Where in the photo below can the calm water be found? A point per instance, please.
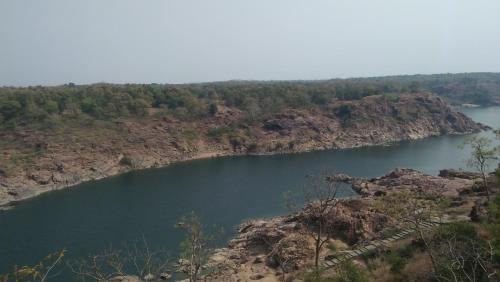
(224, 191)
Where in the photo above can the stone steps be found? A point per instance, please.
(377, 244)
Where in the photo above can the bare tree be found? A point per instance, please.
(462, 255)
(133, 259)
(195, 247)
(481, 156)
(288, 252)
(42, 271)
(321, 200)
(412, 209)
(456, 251)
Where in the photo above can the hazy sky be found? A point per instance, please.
(174, 41)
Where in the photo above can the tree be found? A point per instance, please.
(195, 247)
(134, 258)
(212, 109)
(51, 107)
(414, 87)
(413, 209)
(344, 111)
(321, 200)
(9, 108)
(461, 254)
(88, 105)
(481, 156)
(287, 252)
(41, 272)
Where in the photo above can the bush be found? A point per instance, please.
(51, 107)
(494, 226)
(218, 132)
(458, 249)
(392, 97)
(396, 262)
(320, 98)
(312, 275)
(127, 161)
(389, 232)
(88, 106)
(344, 111)
(348, 272)
(9, 108)
(370, 254)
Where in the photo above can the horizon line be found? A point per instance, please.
(246, 80)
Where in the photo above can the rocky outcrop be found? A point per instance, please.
(37, 162)
(413, 180)
(453, 173)
(269, 247)
(373, 120)
(354, 222)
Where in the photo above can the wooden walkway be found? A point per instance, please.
(374, 245)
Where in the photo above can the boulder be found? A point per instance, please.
(125, 278)
(340, 177)
(256, 276)
(452, 173)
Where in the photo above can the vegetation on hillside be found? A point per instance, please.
(462, 251)
(48, 107)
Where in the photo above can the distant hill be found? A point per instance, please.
(44, 107)
(103, 138)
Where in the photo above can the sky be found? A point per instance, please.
(53, 42)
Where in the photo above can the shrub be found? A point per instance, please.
(212, 109)
(331, 247)
(9, 108)
(348, 272)
(458, 249)
(218, 132)
(396, 262)
(127, 161)
(319, 98)
(389, 232)
(391, 97)
(51, 107)
(344, 111)
(494, 226)
(88, 106)
(370, 254)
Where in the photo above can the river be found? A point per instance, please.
(224, 191)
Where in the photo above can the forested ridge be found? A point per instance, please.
(47, 107)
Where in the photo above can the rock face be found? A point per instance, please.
(452, 173)
(78, 155)
(452, 185)
(369, 121)
(257, 249)
(284, 244)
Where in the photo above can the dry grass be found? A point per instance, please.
(418, 268)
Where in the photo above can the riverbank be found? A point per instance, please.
(282, 248)
(73, 156)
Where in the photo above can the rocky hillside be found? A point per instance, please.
(267, 249)
(34, 161)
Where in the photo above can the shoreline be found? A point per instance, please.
(154, 142)
(253, 249)
(6, 204)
